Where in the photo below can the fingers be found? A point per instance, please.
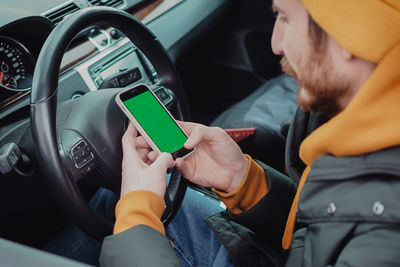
(152, 155)
(143, 153)
(130, 135)
(141, 142)
(198, 132)
(202, 133)
(188, 126)
(144, 149)
(128, 140)
(184, 167)
(129, 146)
(131, 130)
(164, 161)
(195, 137)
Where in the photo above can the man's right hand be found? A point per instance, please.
(217, 160)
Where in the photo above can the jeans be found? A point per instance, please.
(75, 244)
(194, 242)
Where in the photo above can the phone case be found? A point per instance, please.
(136, 123)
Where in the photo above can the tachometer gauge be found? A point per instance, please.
(16, 65)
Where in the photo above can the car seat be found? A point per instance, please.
(269, 110)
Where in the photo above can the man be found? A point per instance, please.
(345, 56)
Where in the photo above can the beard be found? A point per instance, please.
(320, 90)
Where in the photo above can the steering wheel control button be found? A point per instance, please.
(81, 144)
(82, 154)
(88, 169)
(9, 156)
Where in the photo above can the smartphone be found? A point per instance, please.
(153, 120)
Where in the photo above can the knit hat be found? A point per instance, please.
(367, 28)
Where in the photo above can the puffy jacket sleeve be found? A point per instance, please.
(138, 246)
(253, 236)
(268, 217)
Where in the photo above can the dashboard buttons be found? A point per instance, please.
(164, 96)
(129, 76)
(115, 34)
(121, 79)
(81, 144)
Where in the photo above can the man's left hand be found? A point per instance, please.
(139, 173)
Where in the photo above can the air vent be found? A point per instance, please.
(112, 3)
(59, 13)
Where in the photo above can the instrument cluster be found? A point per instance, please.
(17, 65)
(16, 69)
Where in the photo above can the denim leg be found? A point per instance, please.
(194, 241)
(75, 244)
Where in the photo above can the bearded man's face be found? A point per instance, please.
(309, 58)
(320, 90)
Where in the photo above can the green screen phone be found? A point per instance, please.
(153, 120)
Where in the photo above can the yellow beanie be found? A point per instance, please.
(367, 28)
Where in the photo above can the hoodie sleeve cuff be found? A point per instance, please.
(139, 207)
(253, 188)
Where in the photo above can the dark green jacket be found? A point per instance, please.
(348, 215)
(350, 212)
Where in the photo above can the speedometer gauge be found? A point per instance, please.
(16, 65)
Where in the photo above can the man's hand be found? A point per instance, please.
(217, 160)
(138, 171)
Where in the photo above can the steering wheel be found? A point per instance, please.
(81, 138)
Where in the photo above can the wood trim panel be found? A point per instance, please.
(13, 98)
(142, 11)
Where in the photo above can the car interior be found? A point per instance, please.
(63, 62)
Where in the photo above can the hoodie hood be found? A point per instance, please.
(369, 123)
(367, 28)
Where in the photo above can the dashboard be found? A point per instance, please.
(99, 57)
(95, 55)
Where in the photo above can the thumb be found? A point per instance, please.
(164, 161)
(188, 126)
(185, 167)
(196, 136)
(202, 133)
(129, 138)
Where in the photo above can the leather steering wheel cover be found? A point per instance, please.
(61, 36)
(44, 103)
